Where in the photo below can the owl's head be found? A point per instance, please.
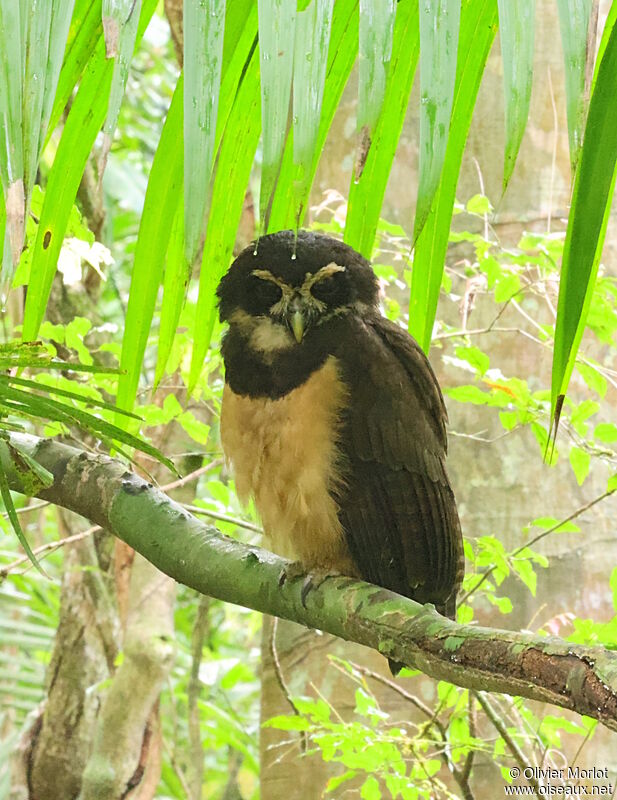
(280, 289)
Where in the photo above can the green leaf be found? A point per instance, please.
(85, 31)
(160, 204)
(64, 11)
(338, 780)
(177, 276)
(120, 19)
(550, 522)
(5, 493)
(516, 32)
(593, 190)
(285, 723)
(370, 176)
(370, 789)
(80, 130)
(203, 57)
(580, 460)
(478, 26)
(606, 432)
(574, 18)
(234, 164)
(474, 356)
(439, 32)
(313, 27)
(36, 52)
(468, 394)
(277, 21)
(341, 56)
(524, 569)
(374, 52)
(593, 378)
(479, 204)
(12, 45)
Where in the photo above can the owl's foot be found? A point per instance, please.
(291, 571)
(296, 569)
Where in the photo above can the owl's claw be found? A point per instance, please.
(311, 581)
(314, 581)
(291, 571)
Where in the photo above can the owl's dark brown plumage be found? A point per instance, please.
(333, 420)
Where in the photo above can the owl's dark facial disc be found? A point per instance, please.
(295, 285)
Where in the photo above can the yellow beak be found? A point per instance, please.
(297, 325)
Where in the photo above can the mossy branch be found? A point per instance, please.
(583, 679)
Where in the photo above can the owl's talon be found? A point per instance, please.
(291, 571)
(306, 588)
(314, 581)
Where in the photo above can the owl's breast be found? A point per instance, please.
(284, 453)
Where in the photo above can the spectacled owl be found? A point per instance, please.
(333, 420)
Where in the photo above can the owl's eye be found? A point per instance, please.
(329, 290)
(265, 292)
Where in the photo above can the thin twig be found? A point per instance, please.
(192, 475)
(198, 638)
(280, 679)
(502, 730)
(25, 509)
(204, 512)
(537, 538)
(47, 549)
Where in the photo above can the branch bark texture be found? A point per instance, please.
(583, 679)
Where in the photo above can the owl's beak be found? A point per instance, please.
(296, 323)
(296, 318)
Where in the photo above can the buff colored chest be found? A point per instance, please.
(284, 454)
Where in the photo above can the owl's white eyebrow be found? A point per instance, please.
(266, 275)
(321, 274)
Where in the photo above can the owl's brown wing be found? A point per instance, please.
(396, 507)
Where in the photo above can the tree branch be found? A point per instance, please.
(583, 679)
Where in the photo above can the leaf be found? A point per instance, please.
(234, 164)
(479, 204)
(5, 493)
(84, 33)
(203, 59)
(338, 780)
(160, 204)
(374, 51)
(313, 26)
(606, 432)
(593, 377)
(439, 32)
(120, 19)
(288, 723)
(12, 43)
(177, 276)
(516, 32)
(591, 200)
(370, 789)
(80, 130)
(474, 356)
(277, 20)
(580, 460)
(341, 56)
(574, 16)
(478, 26)
(368, 184)
(524, 569)
(35, 67)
